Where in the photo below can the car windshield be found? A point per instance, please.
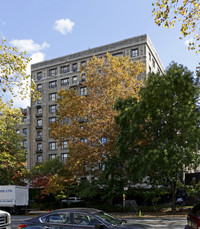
(108, 218)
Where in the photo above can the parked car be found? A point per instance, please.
(76, 218)
(180, 201)
(5, 220)
(71, 200)
(193, 218)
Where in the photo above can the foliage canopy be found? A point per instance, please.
(87, 122)
(159, 134)
(13, 75)
(12, 156)
(186, 13)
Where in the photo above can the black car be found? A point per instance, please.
(74, 218)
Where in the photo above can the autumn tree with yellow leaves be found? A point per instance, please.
(13, 73)
(87, 122)
(186, 13)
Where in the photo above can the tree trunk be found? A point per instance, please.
(174, 189)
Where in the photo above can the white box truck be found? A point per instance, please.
(14, 198)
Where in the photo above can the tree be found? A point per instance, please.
(87, 122)
(112, 179)
(12, 156)
(186, 13)
(41, 174)
(159, 134)
(13, 75)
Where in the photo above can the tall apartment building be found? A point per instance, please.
(64, 72)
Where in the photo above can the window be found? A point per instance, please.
(53, 72)
(52, 96)
(65, 69)
(39, 101)
(83, 90)
(75, 67)
(25, 143)
(52, 109)
(103, 140)
(25, 131)
(52, 156)
(64, 157)
(154, 64)
(149, 56)
(65, 121)
(118, 54)
(25, 120)
(39, 158)
(102, 166)
(84, 140)
(84, 219)
(39, 87)
(39, 134)
(64, 145)
(83, 63)
(52, 145)
(65, 82)
(39, 75)
(74, 80)
(57, 218)
(52, 84)
(39, 146)
(149, 69)
(52, 120)
(135, 52)
(39, 122)
(39, 110)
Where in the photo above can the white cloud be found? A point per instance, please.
(187, 42)
(28, 45)
(17, 101)
(35, 58)
(64, 26)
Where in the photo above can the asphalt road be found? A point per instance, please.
(160, 222)
(147, 222)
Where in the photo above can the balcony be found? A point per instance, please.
(38, 115)
(38, 139)
(38, 151)
(74, 84)
(38, 127)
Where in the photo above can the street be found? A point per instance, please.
(160, 222)
(153, 222)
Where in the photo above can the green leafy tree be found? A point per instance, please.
(193, 190)
(13, 74)
(12, 153)
(112, 179)
(160, 136)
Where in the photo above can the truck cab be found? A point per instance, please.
(5, 220)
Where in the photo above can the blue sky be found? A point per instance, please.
(51, 28)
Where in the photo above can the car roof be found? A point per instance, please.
(89, 210)
(83, 210)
